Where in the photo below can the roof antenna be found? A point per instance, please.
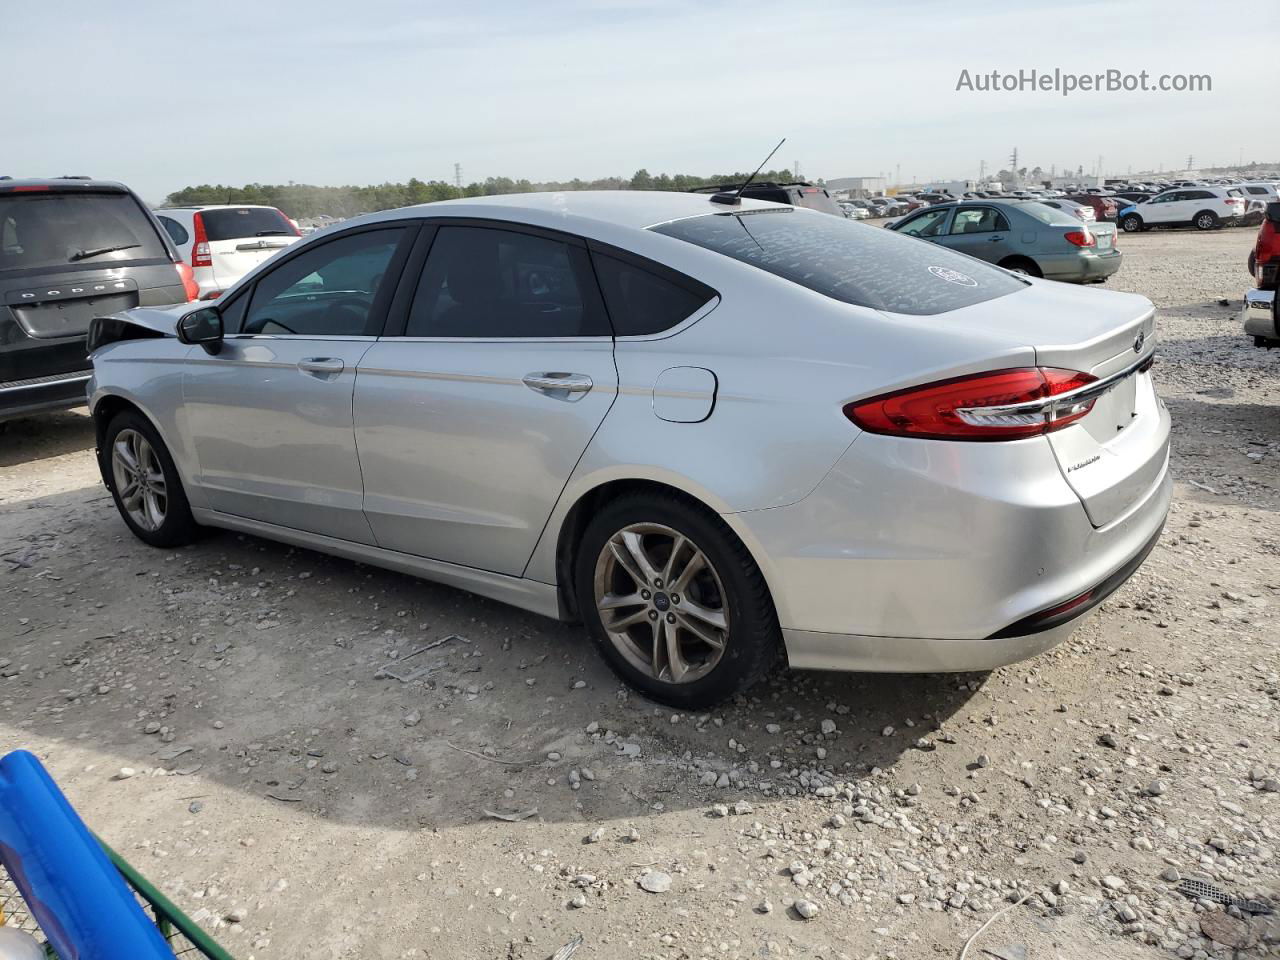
(733, 199)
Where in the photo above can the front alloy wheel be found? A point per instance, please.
(139, 480)
(662, 603)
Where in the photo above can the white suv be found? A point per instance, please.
(223, 243)
(1205, 208)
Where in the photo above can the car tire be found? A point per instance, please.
(1131, 224)
(1022, 265)
(144, 483)
(1207, 220)
(623, 554)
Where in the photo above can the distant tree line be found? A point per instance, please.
(305, 200)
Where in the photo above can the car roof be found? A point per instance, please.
(220, 206)
(637, 209)
(63, 183)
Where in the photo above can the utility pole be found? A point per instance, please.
(1013, 162)
(457, 175)
(1190, 161)
(796, 171)
(982, 170)
(897, 174)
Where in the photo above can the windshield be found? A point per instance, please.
(847, 261)
(92, 229)
(1050, 215)
(237, 223)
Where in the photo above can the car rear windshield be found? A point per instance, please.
(40, 229)
(1050, 215)
(815, 198)
(847, 261)
(236, 223)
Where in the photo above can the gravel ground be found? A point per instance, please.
(217, 713)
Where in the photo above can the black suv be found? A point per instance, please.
(798, 194)
(72, 249)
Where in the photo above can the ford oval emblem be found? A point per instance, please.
(1138, 341)
(953, 276)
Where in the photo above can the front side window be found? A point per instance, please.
(981, 220)
(640, 302)
(327, 291)
(495, 283)
(928, 224)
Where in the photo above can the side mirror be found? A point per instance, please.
(203, 327)
(1273, 211)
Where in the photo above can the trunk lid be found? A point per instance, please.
(1113, 456)
(240, 238)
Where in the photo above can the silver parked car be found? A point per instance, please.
(716, 433)
(1025, 236)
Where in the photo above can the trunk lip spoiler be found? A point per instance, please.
(1052, 405)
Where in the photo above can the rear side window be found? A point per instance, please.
(814, 198)
(177, 232)
(847, 261)
(1048, 215)
(89, 229)
(640, 302)
(236, 223)
(502, 284)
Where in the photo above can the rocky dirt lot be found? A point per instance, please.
(217, 713)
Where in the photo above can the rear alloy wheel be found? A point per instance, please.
(674, 601)
(1131, 224)
(144, 483)
(1207, 220)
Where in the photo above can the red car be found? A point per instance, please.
(1105, 206)
(1260, 317)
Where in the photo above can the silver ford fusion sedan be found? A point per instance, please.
(716, 433)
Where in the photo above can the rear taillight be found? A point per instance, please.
(188, 278)
(200, 254)
(1081, 238)
(1003, 405)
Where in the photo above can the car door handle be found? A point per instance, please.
(561, 386)
(994, 239)
(321, 366)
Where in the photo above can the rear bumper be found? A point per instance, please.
(920, 556)
(43, 394)
(1259, 314)
(1080, 267)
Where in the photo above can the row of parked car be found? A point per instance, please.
(72, 249)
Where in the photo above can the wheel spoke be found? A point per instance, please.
(125, 455)
(713, 617)
(613, 601)
(701, 632)
(129, 490)
(659, 655)
(627, 562)
(669, 568)
(626, 620)
(675, 658)
(635, 546)
(133, 500)
(695, 565)
(154, 512)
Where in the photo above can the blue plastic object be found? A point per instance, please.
(83, 906)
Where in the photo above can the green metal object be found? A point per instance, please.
(183, 934)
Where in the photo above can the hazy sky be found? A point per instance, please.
(164, 94)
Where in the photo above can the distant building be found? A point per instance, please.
(857, 186)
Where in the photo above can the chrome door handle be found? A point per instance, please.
(994, 239)
(321, 365)
(562, 386)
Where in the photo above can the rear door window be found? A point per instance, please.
(848, 261)
(86, 229)
(237, 223)
(503, 284)
(978, 220)
(641, 301)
